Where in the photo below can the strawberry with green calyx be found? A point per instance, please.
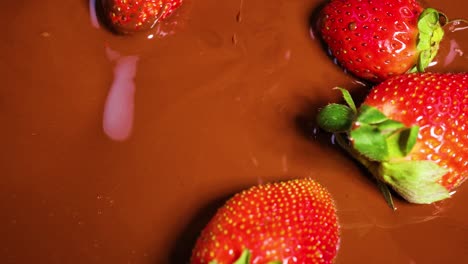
(409, 133)
(272, 224)
(375, 40)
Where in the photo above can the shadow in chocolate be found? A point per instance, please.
(305, 120)
(98, 6)
(306, 126)
(100, 16)
(185, 241)
(314, 23)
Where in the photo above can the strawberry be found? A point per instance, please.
(128, 16)
(375, 40)
(287, 222)
(410, 132)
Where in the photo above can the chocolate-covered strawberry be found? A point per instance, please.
(128, 16)
(287, 222)
(410, 132)
(376, 40)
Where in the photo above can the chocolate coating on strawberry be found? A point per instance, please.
(130, 16)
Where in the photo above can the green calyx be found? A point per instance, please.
(382, 145)
(429, 38)
(337, 117)
(245, 259)
(415, 181)
(374, 136)
(381, 139)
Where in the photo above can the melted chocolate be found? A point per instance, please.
(225, 98)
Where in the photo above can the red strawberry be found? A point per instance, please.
(410, 132)
(287, 222)
(376, 40)
(128, 16)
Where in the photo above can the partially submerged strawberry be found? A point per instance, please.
(128, 16)
(287, 222)
(410, 132)
(376, 40)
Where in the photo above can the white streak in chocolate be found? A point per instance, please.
(93, 13)
(453, 53)
(312, 33)
(112, 55)
(119, 107)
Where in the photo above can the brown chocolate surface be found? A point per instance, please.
(225, 99)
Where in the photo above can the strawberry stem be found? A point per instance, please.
(373, 168)
(382, 145)
(338, 119)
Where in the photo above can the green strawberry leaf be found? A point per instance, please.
(402, 142)
(243, 259)
(370, 115)
(423, 61)
(408, 139)
(428, 20)
(335, 118)
(370, 142)
(389, 127)
(386, 193)
(394, 138)
(430, 35)
(415, 181)
(396, 144)
(348, 99)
